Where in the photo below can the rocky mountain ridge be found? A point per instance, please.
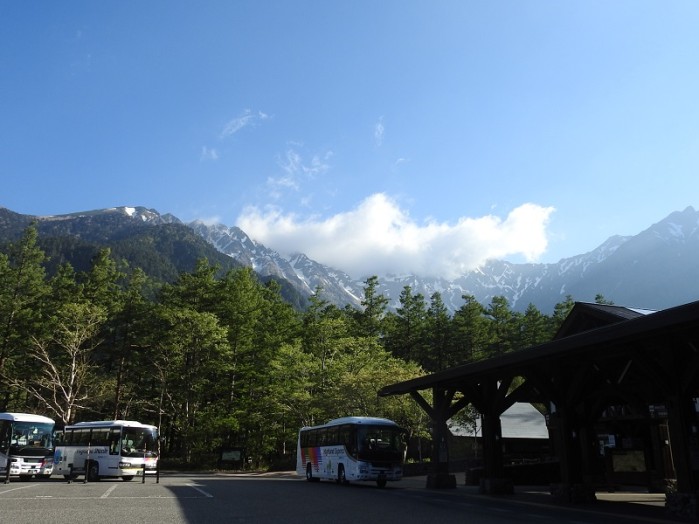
(654, 269)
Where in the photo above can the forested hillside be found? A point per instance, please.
(219, 358)
(160, 245)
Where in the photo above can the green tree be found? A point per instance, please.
(241, 306)
(67, 376)
(502, 326)
(290, 400)
(188, 353)
(190, 349)
(374, 304)
(102, 286)
(102, 283)
(438, 340)
(195, 290)
(560, 311)
(360, 371)
(128, 356)
(407, 329)
(23, 290)
(533, 328)
(470, 331)
(323, 326)
(277, 326)
(600, 299)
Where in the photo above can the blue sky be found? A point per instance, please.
(374, 136)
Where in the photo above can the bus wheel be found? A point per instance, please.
(341, 477)
(93, 472)
(127, 478)
(381, 482)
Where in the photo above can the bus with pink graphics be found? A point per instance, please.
(352, 449)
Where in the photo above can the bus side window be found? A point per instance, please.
(312, 438)
(84, 436)
(332, 437)
(100, 437)
(5, 431)
(114, 442)
(347, 438)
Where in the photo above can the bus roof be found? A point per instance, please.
(26, 417)
(365, 421)
(110, 424)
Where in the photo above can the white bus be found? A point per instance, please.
(26, 442)
(108, 448)
(352, 448)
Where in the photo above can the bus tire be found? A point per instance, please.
(93, 471)
(341, 477)
(309, 474)
(127, 478)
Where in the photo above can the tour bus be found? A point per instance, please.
(352, 448)
(107, 448)
(26, 442)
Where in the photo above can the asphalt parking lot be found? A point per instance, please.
(284, 497)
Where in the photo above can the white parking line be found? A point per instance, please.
(107, 493)
(207, 495)
(21, 487)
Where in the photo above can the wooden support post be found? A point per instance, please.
(440, 412)
(682, 424)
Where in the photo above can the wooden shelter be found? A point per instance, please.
(603, 357)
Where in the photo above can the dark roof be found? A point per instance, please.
(585, 316)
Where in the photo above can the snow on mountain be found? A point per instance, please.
(544, 285)
(654, 269)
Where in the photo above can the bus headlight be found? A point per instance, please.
(125, 465)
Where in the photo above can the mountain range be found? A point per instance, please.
(654, 269)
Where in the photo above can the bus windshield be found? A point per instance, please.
(31, 435)
(380, 439)
(137, 442)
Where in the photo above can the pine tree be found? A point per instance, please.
(502, 324)
(438, 341)
(23, 290)
(370, 319)
(470, 334)
(407, 329)
(533, 328)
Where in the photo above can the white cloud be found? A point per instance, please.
(297, 170)
(210, 220)
(247, 118)
(399, 163)
(208, 153)
(380, 238)
(379, 131)
(294, 164)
